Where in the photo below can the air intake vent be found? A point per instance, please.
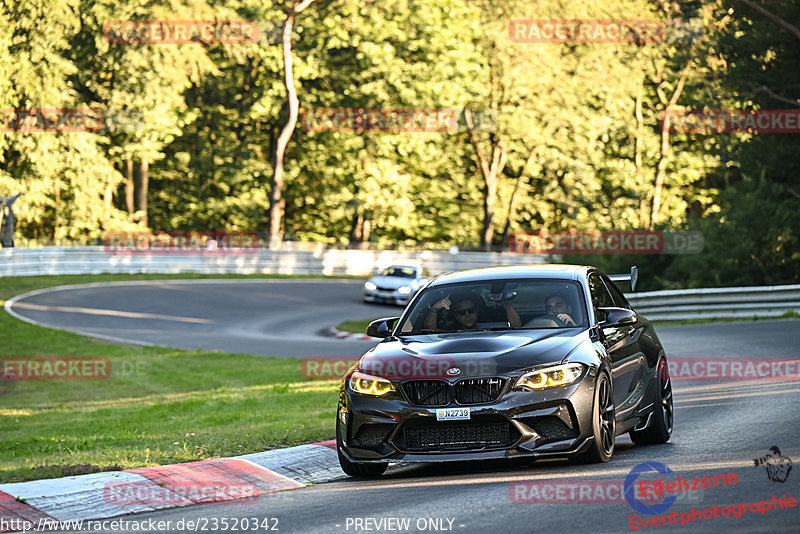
(457, 436)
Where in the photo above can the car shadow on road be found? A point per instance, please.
(520, 466)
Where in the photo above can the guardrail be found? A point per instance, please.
(722, 302)
(730, 302)
(96, 260)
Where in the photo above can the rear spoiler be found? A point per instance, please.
(632, 278)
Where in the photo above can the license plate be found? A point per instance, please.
(452, 414)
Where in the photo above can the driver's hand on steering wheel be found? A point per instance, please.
(566, 319)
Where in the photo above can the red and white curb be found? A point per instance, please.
(109, 494)
(350, 336)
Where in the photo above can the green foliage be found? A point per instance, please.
(206, 119)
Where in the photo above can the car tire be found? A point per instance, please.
(661, 428)
(356, 469)
(603, 424)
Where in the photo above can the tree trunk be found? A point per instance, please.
(276, 201)
(356, 228)
(637, 159)
(108, 204)
(661, 167)
(360, 230)
(512, 203)
(491, 175)
(144, 183)
(661, 171)
(129, 187)
(57, 206)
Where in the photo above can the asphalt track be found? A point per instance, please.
(269, 317)
(720, 427)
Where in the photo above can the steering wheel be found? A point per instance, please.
(556, 320)
(544, 321)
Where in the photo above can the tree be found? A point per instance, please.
(276, 204)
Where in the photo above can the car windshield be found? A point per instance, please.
(401, 272)
(496, 305)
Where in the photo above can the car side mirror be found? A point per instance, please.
(611, 316)
(381, 327)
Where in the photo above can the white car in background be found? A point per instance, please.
(395, 284)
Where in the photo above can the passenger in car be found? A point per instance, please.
(466, 312)
(557, 306)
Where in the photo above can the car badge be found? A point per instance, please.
(453, 371)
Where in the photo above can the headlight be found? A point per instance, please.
(550, 377)
(369, 286)
(369, 385)
(404, 290)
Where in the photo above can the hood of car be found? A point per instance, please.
(465, 354)
(392, 282)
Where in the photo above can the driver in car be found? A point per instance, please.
(556, 305)
(466, 310)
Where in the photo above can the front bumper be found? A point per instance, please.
(555, 422)
(391, 297)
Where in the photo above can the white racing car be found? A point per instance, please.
(395, 284)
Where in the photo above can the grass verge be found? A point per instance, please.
(159, 406)
(356, 327)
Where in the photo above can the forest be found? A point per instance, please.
(408, 124)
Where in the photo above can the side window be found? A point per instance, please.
(616, 294)
(600, 295)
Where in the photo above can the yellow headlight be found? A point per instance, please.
(549, 377)
(369, 385)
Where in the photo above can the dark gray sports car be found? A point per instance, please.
(506, 362)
